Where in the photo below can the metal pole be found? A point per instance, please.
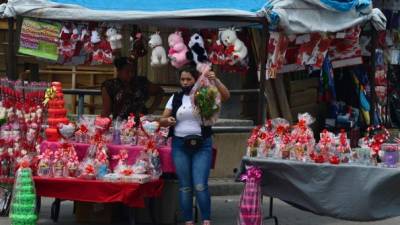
(372, 72)
(11, 55)
(262, 113)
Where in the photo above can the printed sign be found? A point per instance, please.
(39, 39)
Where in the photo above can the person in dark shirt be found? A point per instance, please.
(127, 94)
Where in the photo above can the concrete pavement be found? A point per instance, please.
(224, 213)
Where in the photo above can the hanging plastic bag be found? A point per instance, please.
(250, 210)
(206, 98)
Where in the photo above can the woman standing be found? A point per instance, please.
(191, 145)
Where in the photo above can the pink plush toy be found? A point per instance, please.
(177, 50)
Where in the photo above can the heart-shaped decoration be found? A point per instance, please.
(102, 123)
(150, 128)
(66, 130)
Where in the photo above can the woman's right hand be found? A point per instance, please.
(170, 121)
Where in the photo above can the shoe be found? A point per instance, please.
(206, 222)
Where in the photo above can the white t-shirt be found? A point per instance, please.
(187, 121)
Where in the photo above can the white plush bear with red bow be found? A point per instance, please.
(114, 38)
(238, 49)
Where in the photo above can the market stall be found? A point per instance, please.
(134, 150)
(284, 17)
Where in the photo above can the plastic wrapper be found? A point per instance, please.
(343, 147)
(250, 206)
(58, 164)
(206, 99)
(142, 164)
(86, 129)
(326, 150)
(303, 137)
(102, 162)
(87, 169)
(44, 165)
(23, 205)
(390, 155)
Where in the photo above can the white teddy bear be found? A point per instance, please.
(158, 54)
(229, 38)
(114, 38)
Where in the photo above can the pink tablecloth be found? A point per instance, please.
(133, 152)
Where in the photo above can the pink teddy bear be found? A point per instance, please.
(177, 50)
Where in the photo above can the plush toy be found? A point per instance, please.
(138, 47)
(217, 52)
(177, 50)
(239, 50)
(68, 38)
(114, 38)
(158, 54)
(198, 53)
(102, 53)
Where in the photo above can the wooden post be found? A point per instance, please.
(262, 113)
(11, 54)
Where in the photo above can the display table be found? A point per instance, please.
(130, 194)
(167, 163)
(345, 191)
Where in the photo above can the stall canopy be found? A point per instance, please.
(294, 16)
(307, 16)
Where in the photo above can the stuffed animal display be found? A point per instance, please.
(177, 50)
(158, 54)
(198, 53)
(114, 38)
(68, 38)
(238, 50)
(138, 46)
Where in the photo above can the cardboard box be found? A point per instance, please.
(98, 213)
(301, 98)
(301, 85)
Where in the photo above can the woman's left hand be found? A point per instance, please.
(211, 76)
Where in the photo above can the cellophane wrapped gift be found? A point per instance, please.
(122, 169)
(206, 99)
(58, 163)
(283, 141)
(250, 206)
(44, 166)
(101, 161)
(343, 147)
(87, 168)
(303, 138)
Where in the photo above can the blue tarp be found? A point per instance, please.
(166, 5)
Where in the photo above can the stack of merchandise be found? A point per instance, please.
(56, 112)
(23, 205)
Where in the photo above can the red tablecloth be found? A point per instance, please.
(133, 152)
(130, 194)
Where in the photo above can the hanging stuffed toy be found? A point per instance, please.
(68, 39)
(236, 50)
(102, 53)
(198, 52)
(177, 50)
(114, 38)
(217, 51)
(158, 54)
(138, 46)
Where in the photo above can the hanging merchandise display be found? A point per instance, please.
(236, 51)
(277, 46)
(178, 51)
(327, 83)
(158, 54)
(313, 51)
(381, 86)
(39, 38)
(138, 48)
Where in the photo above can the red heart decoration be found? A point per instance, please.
(103, 123)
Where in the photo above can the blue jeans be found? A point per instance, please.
(193, 169)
